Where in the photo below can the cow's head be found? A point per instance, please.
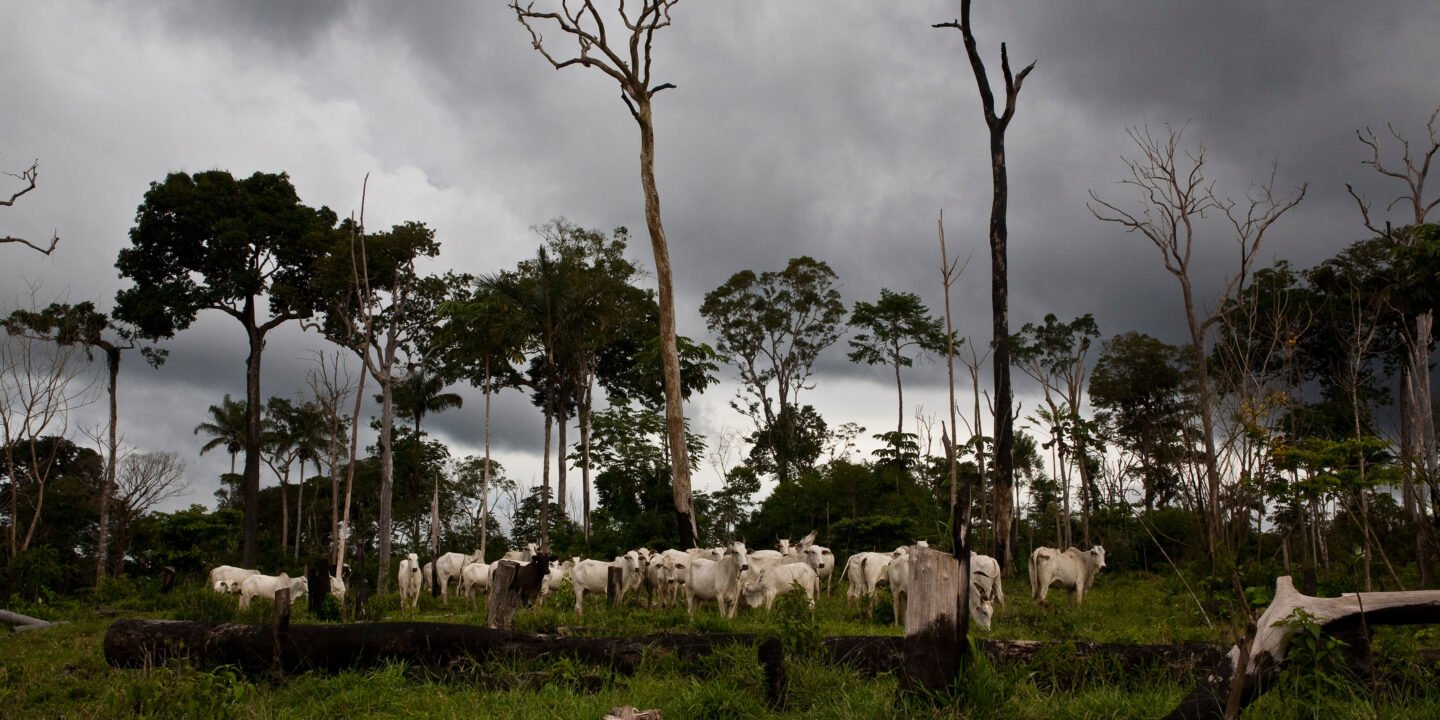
(818, 557)
(542, 562)
(981, 611)
(737, 549)
(414, 562)
(1098, 552)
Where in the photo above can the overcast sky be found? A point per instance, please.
(833, 129)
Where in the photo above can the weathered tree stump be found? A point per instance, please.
(932, 662)
(504, 598)
(614, 585)
(1272, 639)
(317, 575)
(282, 631)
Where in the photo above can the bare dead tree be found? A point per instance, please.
(1417, 421)
(331, 382)
(627, 62)
(143, 481)
(40, 383)
(1004, 469)
(27, 178)
(1175, 194)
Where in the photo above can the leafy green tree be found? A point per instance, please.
(226, 428)
(896, 330)
(772, 327)
(247, 248)
(1141, 389)
(1053, 354)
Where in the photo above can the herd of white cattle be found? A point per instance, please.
(726, 576)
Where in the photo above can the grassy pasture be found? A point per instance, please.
(60, 671)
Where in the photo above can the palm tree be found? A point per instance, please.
(226, 427)
(308, 435)
(421, 393)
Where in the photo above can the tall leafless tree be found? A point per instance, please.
(629, 65)
(1417, 421)
(143, 481)
(40, 383)
(1174, 197)
(1004, 467)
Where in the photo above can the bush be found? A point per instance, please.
(793, 623)
(201, 605)
(36, 574)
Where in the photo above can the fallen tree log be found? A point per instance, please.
(1272, 639)
(258, 648)
(21, 623)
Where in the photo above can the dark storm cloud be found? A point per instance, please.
(836, 130)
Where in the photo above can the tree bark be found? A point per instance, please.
(250, 542)
(102, 542)
(1272, 638)
(933, 620)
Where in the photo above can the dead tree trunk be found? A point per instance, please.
(504, 597)
(931, 622)
(262, 649)
(1272, 639)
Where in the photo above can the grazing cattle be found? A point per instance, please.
(529, 578)
(668, 575)
(409, 579)
(866, 571)
(557, 575)
(761, 588)
(265, 586)
(985, 574)
(475, 578)
(523, 555)
(1072, 569)
(822, 561)
(717, 580)
(450, 566)
(632, 573)
(590, 576)
(227, 579)
(900, 572)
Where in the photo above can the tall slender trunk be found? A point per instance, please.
(250, 542)
(669, 352)
(1004, 474)
(585, 411)
(299, 507)
(387, 476)
(345, 529)
(1206, 397)
(285, 510)
(562, 493)
(485, 471)
(545, 481)
(102, 543)
(900, 409)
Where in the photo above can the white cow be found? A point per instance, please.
(475, 578)
(900, 572)
(769, 583)
(523, 555)
(450, 566)
(822, 561)
(593, 576)
(717, 580)
(866, 570)
(1072, 569)
(227, 578)
(409, 577)
(559, 572)
(985, 574)
(265, 586)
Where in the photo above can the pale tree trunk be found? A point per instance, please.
(387, 475)
(545, 479)
(485, 471)
(585, 411)
(102, 542)
(669, 352)
(562, 493)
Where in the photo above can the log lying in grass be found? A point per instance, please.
(22, 623)
(1272, 639)
(253, 648)
(258, 648)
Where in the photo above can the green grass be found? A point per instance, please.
(60, 671)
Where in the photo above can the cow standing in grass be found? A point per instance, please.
(1072, 569)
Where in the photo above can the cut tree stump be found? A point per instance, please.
(931, 657)
(504, 598)
(614, 585)
(1272, 639)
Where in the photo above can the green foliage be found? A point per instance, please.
(201, 604)
(35, 574)
(180, 691)
(1314, 671)
(793, 622)
(720, 701)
